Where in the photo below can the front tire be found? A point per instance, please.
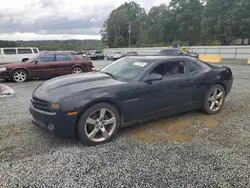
(98, 124)
(19, 76)
(214, 100)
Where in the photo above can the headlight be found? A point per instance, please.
(55, 106)
(3, 69)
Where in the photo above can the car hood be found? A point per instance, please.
(78, 83)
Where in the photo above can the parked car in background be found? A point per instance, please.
(85, 55)
(46, 65)
(96, 55)
(115, 55)
(133, 53)
(110, 56)
(177, 52)
(78, 53)
(93, 106)
(118, 55)
(15, 55)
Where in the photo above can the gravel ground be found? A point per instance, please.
(186, 150)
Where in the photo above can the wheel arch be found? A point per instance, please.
(28, 73)
(108, 101)
(223, 85)
(25, 58)
(77, 65)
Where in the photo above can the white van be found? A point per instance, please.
(17, 55)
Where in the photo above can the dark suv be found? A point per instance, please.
(177, 52)
(96, 55)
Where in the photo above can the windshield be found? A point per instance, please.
(126, 69)
(35, 57)
(183, 52)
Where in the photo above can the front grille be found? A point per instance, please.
(41, 105)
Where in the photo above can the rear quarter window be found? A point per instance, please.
(63, 57)
(193, 67)
(76, 58)
(9, 51)
(35, 50)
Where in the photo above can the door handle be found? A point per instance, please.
(189, 81)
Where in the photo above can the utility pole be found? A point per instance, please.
(129, 33)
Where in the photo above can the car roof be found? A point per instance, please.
(170, 49)
(17, 47)
(57, 52)
(159, 57)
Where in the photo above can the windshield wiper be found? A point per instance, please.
(108, 73)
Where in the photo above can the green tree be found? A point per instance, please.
(115, 30)
(7, 43)
(61, 44)
(241, 16)
(159, 25)
(225, 20)
(187, 16)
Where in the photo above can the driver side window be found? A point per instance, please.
(46, 58)
(170, 69)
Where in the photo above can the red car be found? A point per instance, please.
(46, 65)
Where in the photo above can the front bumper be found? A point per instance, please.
(4, 75)
(64, 125)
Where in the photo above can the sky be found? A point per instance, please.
(58, 19)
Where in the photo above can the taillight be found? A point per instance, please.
(94, 69)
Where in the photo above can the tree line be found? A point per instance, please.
(51, 45)
(191, 22)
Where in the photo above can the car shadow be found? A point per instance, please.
(154, 122)
(159, 124)
(182, 127)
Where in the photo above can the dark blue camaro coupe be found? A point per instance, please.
(93, 106)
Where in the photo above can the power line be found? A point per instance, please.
(129, 32)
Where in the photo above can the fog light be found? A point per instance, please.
(51, 127)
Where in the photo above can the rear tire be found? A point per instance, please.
(214, 100)
(98, 124)
(19, 76)
(77, 70)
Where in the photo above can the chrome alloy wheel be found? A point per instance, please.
(77, 71)
(100, 125)
(216, 99)
(19, 76)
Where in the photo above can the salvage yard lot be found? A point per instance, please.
(186, 150)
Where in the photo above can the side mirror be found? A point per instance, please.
(153, 77)
(36, 61)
